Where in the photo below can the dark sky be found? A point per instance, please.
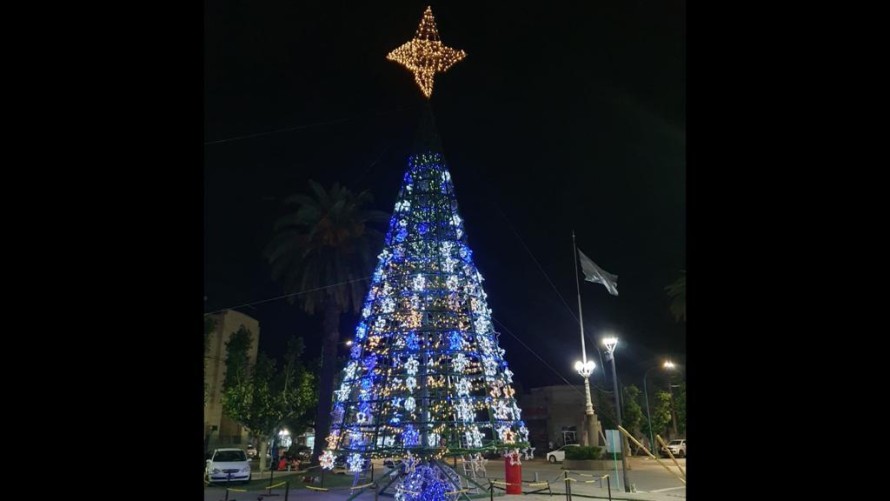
(568, 115)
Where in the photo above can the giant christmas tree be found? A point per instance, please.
(426, 377)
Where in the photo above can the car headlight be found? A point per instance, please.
(216, 470)
(246, 468)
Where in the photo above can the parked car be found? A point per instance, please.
(301, 452)
(228, 465)
(559, 454)
(677, 448)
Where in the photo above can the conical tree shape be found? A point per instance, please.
(426, 374)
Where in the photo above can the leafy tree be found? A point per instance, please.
(209, 325)
(325, 250)
(660, 411)
(631, 413)
(261, 397)
(605, 409)
(298, 422)
(677, 292)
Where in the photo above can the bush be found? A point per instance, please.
(582, 452)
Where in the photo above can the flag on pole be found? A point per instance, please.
(595, 274)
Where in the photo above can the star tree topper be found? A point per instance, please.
(425, 55)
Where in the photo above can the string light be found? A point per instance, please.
(425, 55)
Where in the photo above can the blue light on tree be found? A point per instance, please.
(426, 372)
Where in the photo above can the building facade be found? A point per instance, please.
(219, 430)
(555, 414)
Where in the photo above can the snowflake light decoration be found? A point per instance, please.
(463, 387)
(355, 462)
(460, 362)
(327, 460)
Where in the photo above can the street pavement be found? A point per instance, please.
(650, 481)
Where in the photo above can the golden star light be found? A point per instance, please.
(425, 55)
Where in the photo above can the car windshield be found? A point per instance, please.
(227, 456)
(677, 442)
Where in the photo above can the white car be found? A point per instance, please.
(228, 465)
(559, 454)
(677, 448)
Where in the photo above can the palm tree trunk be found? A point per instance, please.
(331, 326)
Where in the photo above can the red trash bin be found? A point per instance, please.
(513, 475)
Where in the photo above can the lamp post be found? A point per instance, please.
(610, 343)
(585, 369)
(667, 365)
(584, 364)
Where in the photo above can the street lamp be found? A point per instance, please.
(585, 369)
(667, 365)
(610, 343)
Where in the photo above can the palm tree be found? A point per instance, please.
(677, 292)
(325, 250)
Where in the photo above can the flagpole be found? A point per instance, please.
(588, 410)
(580, 314)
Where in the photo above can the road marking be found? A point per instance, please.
(669, 489)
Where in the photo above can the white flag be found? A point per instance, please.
(595, 274)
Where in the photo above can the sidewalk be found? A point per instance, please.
(582, 493)
(579, 491)
(584, 486)
(218, 494)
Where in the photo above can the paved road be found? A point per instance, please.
(650, 480)
(645, 474)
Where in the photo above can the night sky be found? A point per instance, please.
(568, 115)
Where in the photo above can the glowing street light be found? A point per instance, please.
(585, 369)
(610, 343)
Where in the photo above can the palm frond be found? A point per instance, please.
(325, 244)
(677, 292)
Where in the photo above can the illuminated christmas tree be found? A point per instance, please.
(426, 377)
